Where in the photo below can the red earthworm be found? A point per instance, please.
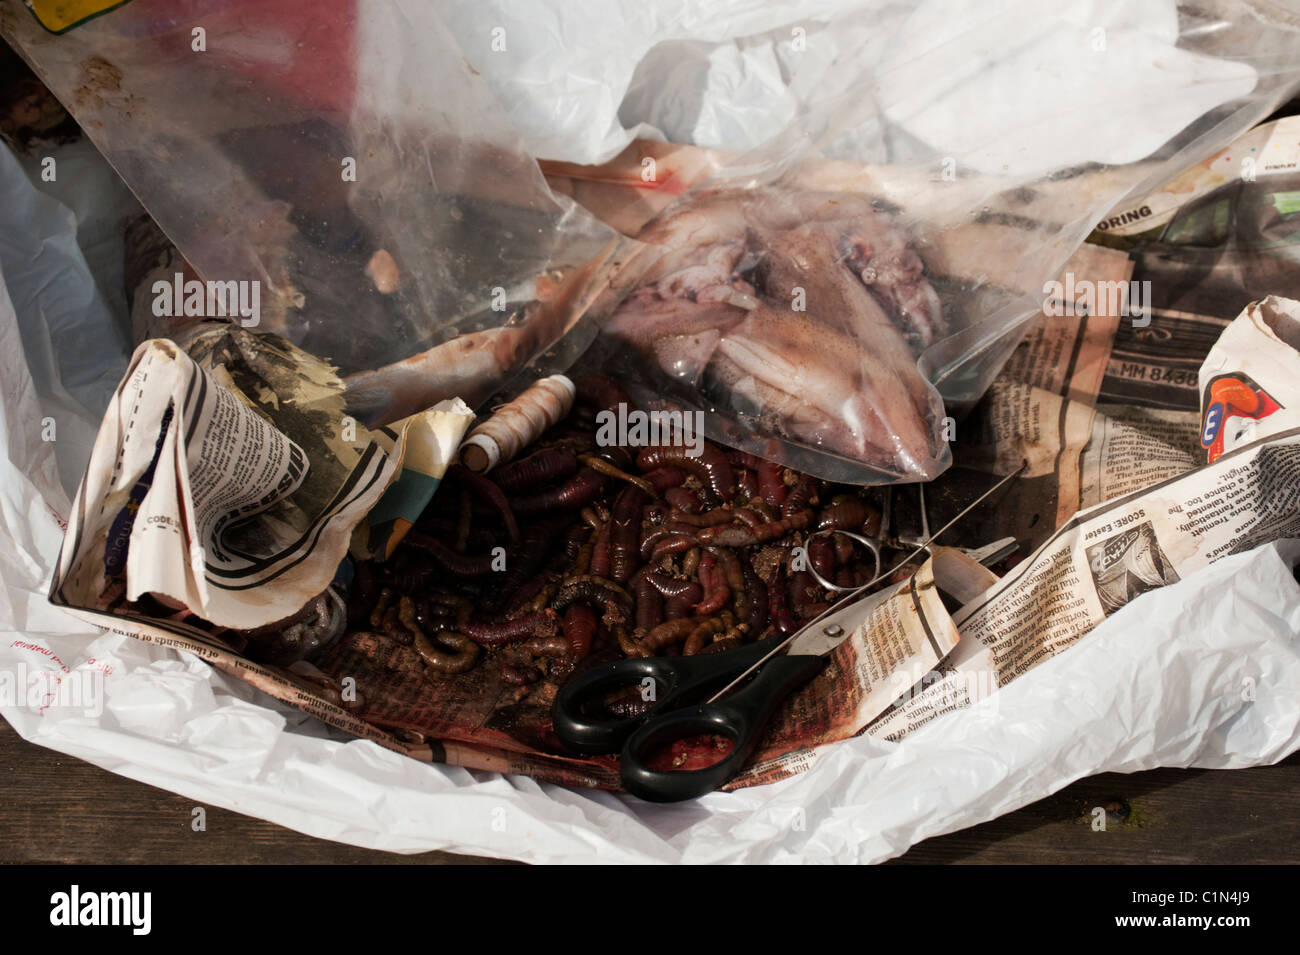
(756, 593)
(846, 512)
(574, 492)
(539, 602)
(464, 519)
(459, 565)
(672, 544)
(742, 459)
(714, 582)
(770, 486)
(651, 536)
(596, 592)
(506, 632)
(803, 591)
(764, 510)
(609, 470)
(555, 645)
(691, 562)
(668, 633)
(601, 393)
(719, 515)
(600, 553)
(710, 466)
(625, 533)
(871, 526)
(747, 481)
(683, 500)
(735, 536)
(701, 632)
(582, 563)
(573, 541)
(821, 556)
(778, 602)
(591, 518)
(665, 478)
(729, 566)
(487, 488)
(680, 605)
(843, 548)
(518, 675)
(537, 470)
(649, 603)
(628, 704)
(804, 495)
(747, 517)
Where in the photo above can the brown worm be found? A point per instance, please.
(488, 490)
(729, 566)
(451, 653)
(705, 629)
(803, 496)
(672, 544)
(666, 478)
(537, 470)
(668, 633)
(711, 466)
(847, 512)
(778, 602)
(625, 533)
(459, 565)
(598, 593)
(770, 486)
(714, 582)
(713, 518)
(600, 563)
(574, 492)
(579, 628)
(735, 536)
(607, 469)
(683, 500)
(460, 654)
(506, 632)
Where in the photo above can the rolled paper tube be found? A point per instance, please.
(517, 424)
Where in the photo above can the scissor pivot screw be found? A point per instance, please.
(832, 630)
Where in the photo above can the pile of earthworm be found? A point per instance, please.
(574, 553)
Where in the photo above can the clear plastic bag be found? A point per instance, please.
(830, 297)
(983, 139)
(345, 156)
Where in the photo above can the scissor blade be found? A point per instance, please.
(822, 636)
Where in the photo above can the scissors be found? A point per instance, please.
(741, 717)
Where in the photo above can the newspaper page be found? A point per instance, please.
(1040, 407)
(898, 637)
(195, 499)
(1106, 556)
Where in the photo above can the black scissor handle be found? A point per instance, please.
(673, 680)
(740, 717)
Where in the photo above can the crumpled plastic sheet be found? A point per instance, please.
(949, 75)
(1204, 673)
